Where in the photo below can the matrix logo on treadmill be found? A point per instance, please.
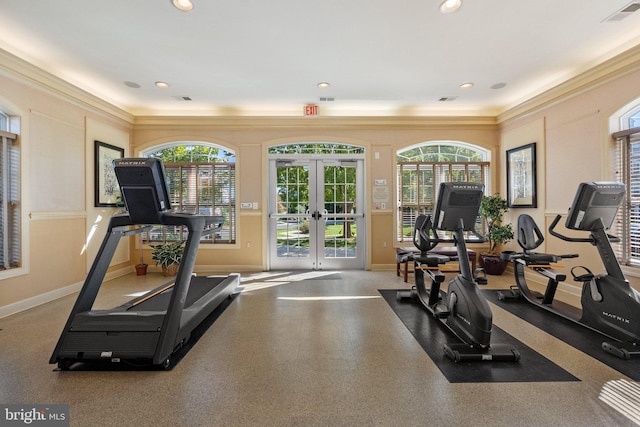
(132, 162)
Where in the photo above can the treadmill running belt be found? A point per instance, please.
(198, 287)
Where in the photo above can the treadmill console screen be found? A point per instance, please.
(458, 200)
(144, 188)
(593, 201)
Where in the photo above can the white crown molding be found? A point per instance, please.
(359, 122)
(616, 67)
(12, 67)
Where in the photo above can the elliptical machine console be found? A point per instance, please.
(462, 308)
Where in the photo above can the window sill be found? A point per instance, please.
(14, 272)
(632, 271)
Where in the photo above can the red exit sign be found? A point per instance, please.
(310, 110)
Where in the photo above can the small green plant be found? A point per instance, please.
(492, 208)
(167, 253)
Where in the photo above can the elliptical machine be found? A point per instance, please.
(462, 308)
(610, 306)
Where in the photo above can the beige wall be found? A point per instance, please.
(250, 138)
(56, 137)
(59, 123)
(573, 133)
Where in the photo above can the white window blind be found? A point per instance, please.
(205, 188)
(627, 170)
(10, 206)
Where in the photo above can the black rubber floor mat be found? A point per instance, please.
(432, 335)
(577, 336)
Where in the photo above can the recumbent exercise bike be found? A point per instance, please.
(610, 306)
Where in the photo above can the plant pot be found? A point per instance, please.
(141, 269)
(171, 270)
(493, 265)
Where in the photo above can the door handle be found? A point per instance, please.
(316, 215)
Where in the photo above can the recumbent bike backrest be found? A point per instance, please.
(529, 235)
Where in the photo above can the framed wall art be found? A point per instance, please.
(521, 177)
(107, 190)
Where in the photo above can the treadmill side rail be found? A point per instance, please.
(149, 327)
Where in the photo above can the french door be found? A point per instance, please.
(316, 213)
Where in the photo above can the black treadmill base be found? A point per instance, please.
(147, 364)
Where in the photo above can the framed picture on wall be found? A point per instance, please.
(107, 190)
(521, 177)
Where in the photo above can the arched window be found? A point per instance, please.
(202, 179)
(421, 168)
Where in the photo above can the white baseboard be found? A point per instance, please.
(53, 295)
(37, 300)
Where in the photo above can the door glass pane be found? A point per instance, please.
(292, 186)
(293, 237)
(293, 189)
(340, 237)
(339, 199)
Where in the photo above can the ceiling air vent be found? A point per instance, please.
(624, 12)
(448, 98)
(327, 98)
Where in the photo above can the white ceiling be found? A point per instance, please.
(259, 57)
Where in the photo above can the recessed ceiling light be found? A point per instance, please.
(498, 86)
(466, 85)
(184, 5)
(133, 85)
(324, 85)
(162, 85)
(448, 6)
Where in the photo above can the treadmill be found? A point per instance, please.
(149, 329)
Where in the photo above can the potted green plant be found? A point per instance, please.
(492, 209)
(168, 256)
